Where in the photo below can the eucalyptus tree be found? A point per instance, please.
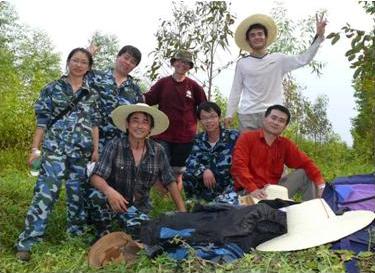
(361, 56)
(108, 46)
(202, 29)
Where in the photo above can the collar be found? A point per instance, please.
(221, 136)
(178, 81)
(258, 57)
(150, 148)
(261, 136)
(85, 85)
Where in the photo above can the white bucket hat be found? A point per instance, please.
(120, 114)
(264, 20)
(313, 223)
(272, 192)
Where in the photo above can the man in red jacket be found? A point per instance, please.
(259, 158)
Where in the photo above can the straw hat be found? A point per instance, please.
(115, 247)
(266, 21)
(272, 192)
(120, 114)
(183, 55)
(313, 223)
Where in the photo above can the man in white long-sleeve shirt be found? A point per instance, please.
(257, 82)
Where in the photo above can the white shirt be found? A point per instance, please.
(257, 82)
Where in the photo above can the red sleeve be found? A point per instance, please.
(240, 171)
(200, 95)
(152, 96)
(297, 159)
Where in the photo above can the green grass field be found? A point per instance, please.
(61, 253)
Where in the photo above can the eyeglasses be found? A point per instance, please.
(76, 61)
(209, 118)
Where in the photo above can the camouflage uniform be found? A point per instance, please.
(218, 159)
(116, 166)
(67, 148)
(112, 96)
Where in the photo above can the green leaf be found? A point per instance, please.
(357, 72)
(335, 39)
(355, 40)
(351, 58)
(331, 35)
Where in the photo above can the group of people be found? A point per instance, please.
(102, 116)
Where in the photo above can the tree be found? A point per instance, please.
(362, 59)
(316, 123)
(289, 41)
(109, 46)
(202, 29)
(27, 64)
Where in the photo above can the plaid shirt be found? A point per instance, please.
(118, 168)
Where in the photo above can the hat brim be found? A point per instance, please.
(120, 114)
(266, 21)
(108, 248)
(331, 230)
(273, 192)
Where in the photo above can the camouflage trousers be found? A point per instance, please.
(54, 170)
(102, 215)
(195, 189)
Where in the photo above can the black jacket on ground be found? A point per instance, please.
(247, 226)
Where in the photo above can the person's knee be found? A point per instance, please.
(96, 198)
(160, 188)
(300, 172)
(179, 170)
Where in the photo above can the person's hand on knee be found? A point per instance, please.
(259, 194)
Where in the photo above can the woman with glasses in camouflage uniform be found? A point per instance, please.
(67, 130)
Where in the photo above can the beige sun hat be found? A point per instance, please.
(272, 192)
(120, 114)
(313, 223)
(115, 247)
(266, 21)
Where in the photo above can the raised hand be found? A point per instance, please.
(321, 23)
(93, 48)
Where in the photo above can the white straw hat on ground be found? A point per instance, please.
(313, 223)
(266, 21)
(120, 114)
(272, 192)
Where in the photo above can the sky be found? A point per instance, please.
(70, 24)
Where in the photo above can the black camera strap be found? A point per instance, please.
(72, 104)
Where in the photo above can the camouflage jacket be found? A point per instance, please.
(112, 96)
(218, 158)
(72, 133)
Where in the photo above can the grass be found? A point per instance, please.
(62, 253)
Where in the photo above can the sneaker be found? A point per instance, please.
(23, 255)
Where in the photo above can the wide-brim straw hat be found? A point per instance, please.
(120, 114)
(313, 223)
(115, 247)
(272, 192)
(266, 21)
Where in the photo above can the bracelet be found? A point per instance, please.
(34, 149)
